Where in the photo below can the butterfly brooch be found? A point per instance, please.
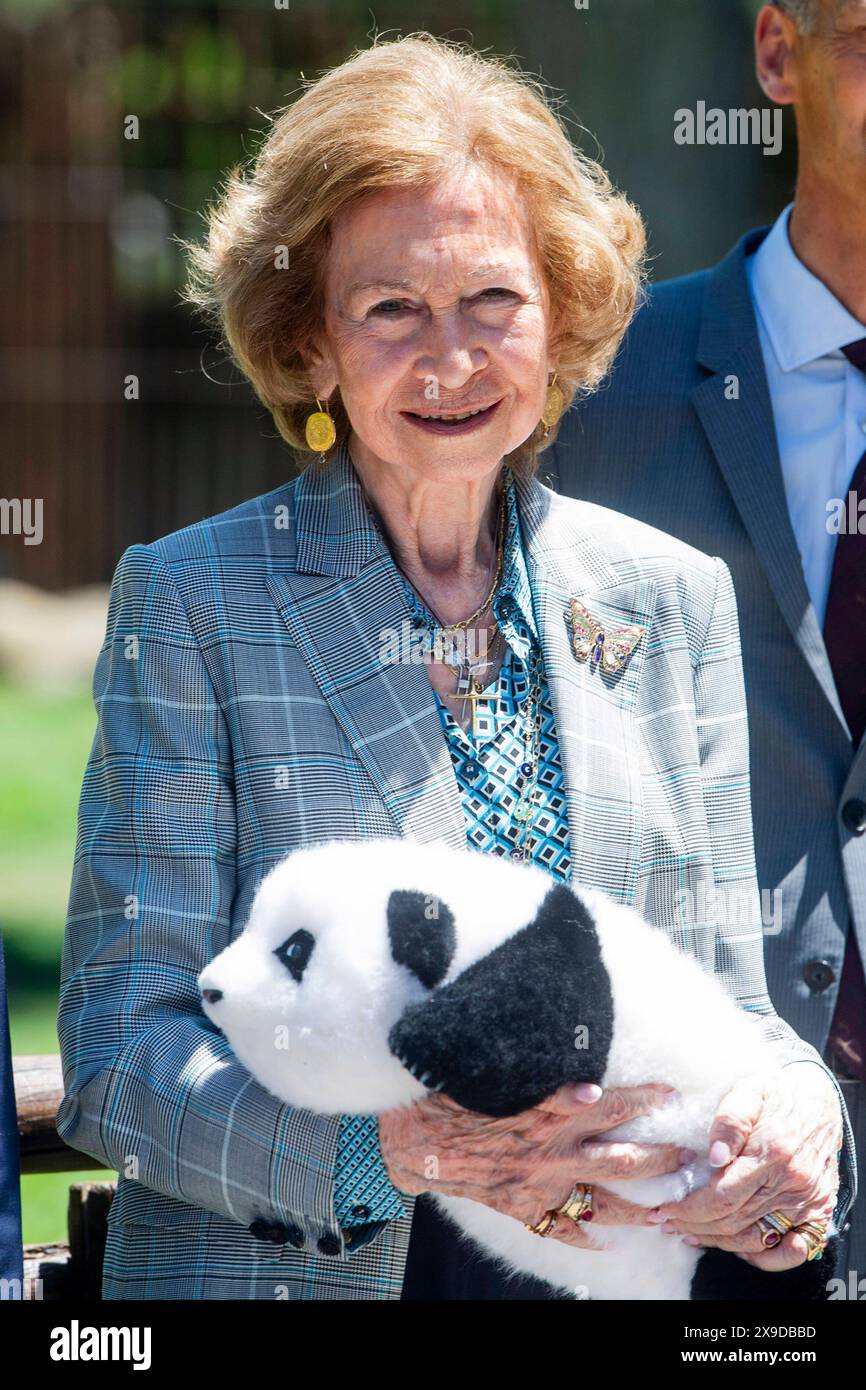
(592, 641)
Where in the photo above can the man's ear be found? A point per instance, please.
(776, 40)
(533, 1015)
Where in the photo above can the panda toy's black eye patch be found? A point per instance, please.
(295, 953)
(422, 940)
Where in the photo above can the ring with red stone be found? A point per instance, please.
(773, 1226)
(578, 1204)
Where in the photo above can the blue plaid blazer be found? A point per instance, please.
(243, 711)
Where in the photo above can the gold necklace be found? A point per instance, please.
(525, 807)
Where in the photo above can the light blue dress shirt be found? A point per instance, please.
(818, 396)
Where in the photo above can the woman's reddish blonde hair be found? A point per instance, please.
(400, 114)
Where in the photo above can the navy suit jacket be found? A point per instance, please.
(683, 437)
(10, 1194)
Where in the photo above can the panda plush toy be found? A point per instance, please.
(371, 973)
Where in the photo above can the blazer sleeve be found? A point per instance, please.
(722, 730)
(151, 1087)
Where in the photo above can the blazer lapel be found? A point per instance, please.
(595, 713)
(742, 434)
(344, 596)
(339, 605)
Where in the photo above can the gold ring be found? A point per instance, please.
(815, 1235)
(578, 1204)
(545, 1225)
(774, 1223)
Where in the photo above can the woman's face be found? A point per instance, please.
(435, 307)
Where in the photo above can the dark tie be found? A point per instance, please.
(845, 640)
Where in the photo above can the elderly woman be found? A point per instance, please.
(416, 275)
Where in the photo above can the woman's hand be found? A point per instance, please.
(776, 1140)
(527, 1164)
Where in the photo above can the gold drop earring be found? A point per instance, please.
(553, 406)
(319, 430)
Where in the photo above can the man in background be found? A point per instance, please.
(735, 418)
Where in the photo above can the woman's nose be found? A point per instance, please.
(212, 996)
(451, 359)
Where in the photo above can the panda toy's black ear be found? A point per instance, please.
(421, 933)
(534, 1014)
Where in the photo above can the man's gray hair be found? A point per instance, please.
(805, 12)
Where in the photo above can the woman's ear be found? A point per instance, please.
(320, 368)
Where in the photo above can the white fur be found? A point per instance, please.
(322, 1043)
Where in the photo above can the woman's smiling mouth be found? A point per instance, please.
(451, 422)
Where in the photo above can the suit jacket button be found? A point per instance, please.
(270, 1231)
(295, 1236)
(361, 1213)
(854, 816)
(329, 1245)
(819, 975)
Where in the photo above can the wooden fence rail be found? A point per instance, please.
(56, 1271)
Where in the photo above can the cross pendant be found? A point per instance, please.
(469, 689)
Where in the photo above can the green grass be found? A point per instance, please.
(45, 741)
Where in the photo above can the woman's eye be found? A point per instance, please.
(388, 307)
(497, 291)
(295, 952)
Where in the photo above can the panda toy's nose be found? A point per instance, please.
(212, 996)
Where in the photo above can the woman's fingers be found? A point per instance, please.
(608, 1210)
(607, 1108)
(735, 1120)
(723, 1200)
(789, 1253)
(614, 1159)
(748, 1237)
(732, 1223)
(725, 1207)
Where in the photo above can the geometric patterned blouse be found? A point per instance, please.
(488, 774)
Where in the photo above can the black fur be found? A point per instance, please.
(723, 1275)
(424, 944)
(502, 1037)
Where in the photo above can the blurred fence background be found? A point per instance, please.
(89, 216)
(91, 273)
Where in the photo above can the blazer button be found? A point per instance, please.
(270, 1231)
(854, 816)
(329, 1245)
(295, 1237)
(819, 975)
(361, 1213)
